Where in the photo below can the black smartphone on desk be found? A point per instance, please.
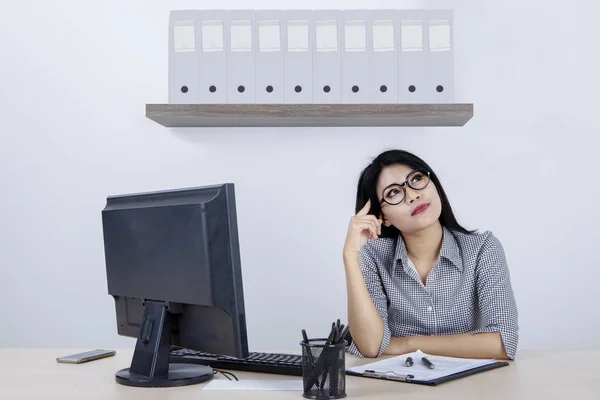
(86, 356)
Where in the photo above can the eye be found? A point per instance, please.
(417, 178)
(393, 192)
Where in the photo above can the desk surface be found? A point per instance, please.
(34, 373)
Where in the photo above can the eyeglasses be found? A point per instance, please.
(395, 193)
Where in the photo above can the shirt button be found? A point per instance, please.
(429, 308)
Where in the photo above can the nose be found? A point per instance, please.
(411, 195)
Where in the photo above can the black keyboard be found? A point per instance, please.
(270, 363)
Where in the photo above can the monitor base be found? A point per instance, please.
(150, 365)
(179, 375)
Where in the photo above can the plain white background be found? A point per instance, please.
(74, 80)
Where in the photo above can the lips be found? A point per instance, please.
(420, 209)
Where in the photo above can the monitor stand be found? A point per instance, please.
(150, 364)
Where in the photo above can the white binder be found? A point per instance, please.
(383, 58)
(356, 39)
(240, 57)
(212, 79)
(412, 56)
(269, 56)
(440, 82)
(183, 57)
(297, 57)
(326, 46)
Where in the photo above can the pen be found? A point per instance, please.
(427, 363)
(343, 334)
(409, 362)
(325, 353)
(338, 334)
(333, 386)
(391, 375)
(321, 363)
(308, 349)
(304, 336)
(331, 335)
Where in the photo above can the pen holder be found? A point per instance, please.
(323, 369)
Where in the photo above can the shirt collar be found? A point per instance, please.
(449, 251)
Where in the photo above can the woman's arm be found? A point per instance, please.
(497, 305)
(366, 324)
(367, 303)
(466, 345)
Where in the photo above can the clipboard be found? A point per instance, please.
(410, 378)
(442, 368)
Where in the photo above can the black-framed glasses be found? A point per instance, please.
(395, 193)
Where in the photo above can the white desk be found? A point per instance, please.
(35, 374)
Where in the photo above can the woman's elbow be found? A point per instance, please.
(370, 353)
(368, 350)
(502, 355)
(500, 350)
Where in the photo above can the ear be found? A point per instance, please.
(385, 221)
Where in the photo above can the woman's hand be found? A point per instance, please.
(362, 228)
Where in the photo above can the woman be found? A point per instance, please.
(415, 278)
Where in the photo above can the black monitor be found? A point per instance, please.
(173, 268)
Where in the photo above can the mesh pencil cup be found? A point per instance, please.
(323, 369)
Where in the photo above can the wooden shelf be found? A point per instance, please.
(287, 115)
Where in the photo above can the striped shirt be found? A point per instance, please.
(468, 289)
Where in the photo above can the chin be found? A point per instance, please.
(421, 223)
(416, 228)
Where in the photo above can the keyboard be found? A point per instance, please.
(269, 363)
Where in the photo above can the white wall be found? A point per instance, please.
(75, 77)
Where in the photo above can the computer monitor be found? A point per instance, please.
(173, 268)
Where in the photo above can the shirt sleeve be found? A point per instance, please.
(372, 280)
(497, 304)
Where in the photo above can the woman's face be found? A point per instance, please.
(420, 208)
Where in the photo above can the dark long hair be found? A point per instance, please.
(367, 189)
